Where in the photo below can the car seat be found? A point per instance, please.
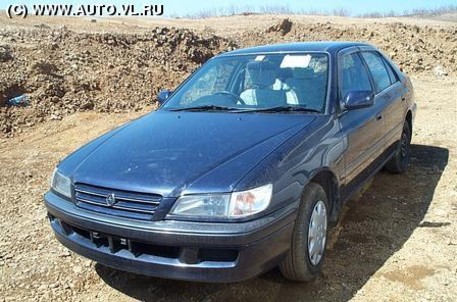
(263, 75)
(308, 86)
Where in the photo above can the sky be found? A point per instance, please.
(182, 7)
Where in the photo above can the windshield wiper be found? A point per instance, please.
(285, 108)
(205, 108)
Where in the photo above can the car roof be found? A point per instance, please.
(326, 46)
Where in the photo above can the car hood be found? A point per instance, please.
(172, 153)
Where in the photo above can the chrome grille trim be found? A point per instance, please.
(119, 197)
(87, 196)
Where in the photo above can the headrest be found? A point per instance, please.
(262, 73)
(284, 73)
(303, 73)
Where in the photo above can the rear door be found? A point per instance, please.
(390, 91)
(364, 128)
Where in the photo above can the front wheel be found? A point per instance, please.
(399, 162)
(309, 239)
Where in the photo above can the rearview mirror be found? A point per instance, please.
(358, 99)
(163, 95)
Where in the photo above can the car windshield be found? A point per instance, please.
(256, 83)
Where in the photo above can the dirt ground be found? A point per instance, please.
(396, 242)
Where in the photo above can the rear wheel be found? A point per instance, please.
(306, 254)
(399, 162)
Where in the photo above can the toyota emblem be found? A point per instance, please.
(111, 200)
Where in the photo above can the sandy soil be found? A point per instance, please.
(396, 242)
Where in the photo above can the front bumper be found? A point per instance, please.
(194, 251)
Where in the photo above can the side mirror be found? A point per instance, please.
(358, 99)
(163, 95)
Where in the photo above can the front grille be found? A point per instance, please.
(115, 244)
(126, 204)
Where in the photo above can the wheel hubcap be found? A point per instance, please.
(317, 233)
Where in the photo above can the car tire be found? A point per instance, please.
(305, 257)
(400, 160)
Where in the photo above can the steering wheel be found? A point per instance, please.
(235, 97)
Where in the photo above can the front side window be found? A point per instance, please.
(378, 70)
(257, 81)
(353, 75)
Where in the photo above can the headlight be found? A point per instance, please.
(250, 202)
(61, 183)
(237, 204)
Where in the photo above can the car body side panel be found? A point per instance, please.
(406, 90)
(293, 165)
(364, 129)
(394, 112)
(394, 100)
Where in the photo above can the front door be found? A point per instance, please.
(364, 128)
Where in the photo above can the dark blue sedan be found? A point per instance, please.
(243, 167)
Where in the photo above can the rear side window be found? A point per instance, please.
(353, 75)
(392, 74)
(378, 70)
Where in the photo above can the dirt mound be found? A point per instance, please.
(284, 27)
(63, 71)
(416, 49)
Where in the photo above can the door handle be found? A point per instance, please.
(379, 117)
